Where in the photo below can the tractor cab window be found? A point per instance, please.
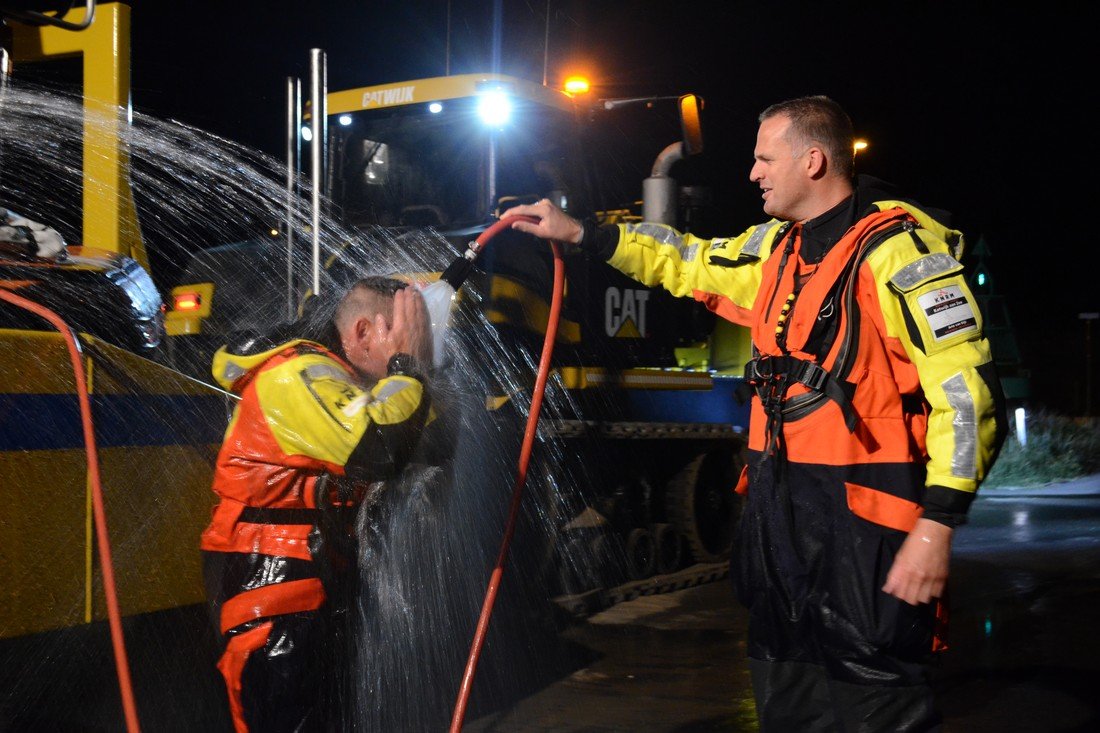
(447, 169)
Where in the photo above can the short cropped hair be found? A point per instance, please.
(818, 119)
(368, 296)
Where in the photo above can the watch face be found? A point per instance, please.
(401, 364)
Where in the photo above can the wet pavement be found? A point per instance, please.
(1024, 656)
(671, 662)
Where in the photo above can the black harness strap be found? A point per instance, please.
(763, 372)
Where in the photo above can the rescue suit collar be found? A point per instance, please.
(871, 191)
(230, 368)
(821, 232)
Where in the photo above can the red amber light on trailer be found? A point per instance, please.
(187, 302)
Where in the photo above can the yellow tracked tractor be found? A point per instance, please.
(155, 431)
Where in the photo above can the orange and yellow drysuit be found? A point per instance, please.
(302, 445)
(876, 402)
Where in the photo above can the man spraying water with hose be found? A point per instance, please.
(876, 415)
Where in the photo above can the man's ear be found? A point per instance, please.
(355, 334)
(815, 162)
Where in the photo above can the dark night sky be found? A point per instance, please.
(974, 107)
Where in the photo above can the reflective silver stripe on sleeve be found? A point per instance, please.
(926, 267)
(665, 235)
(320, 371)
(964, 462)
(756, 240)
(390, 389)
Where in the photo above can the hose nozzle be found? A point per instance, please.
(460, 269)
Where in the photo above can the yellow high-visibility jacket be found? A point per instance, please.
(925, 320)
(302, 414)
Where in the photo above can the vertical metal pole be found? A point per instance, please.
(5, 69)
(5, 57)
(494, 59)
(293, 154)
(546, 45)
(492, 203)
(318, 123)
(447, 52)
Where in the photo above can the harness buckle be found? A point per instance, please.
(754, 374)
(812, 375)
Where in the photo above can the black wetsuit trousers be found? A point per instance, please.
(828, 649)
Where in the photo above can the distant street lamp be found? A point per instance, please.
(859, 146)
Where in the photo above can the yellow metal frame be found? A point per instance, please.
(110, 217)
(441, 88)
(642, 378)
(155, 514)
(514, 304)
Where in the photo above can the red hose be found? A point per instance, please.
(121, 664)
(521, 473)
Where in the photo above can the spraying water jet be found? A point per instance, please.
(201, 191)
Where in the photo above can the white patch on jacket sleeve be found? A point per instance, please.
(948, 311)
(357, 404)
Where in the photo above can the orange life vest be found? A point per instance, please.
(829, 385)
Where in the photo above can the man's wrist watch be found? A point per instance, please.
(404, 364)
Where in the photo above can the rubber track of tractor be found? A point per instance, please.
(582, 605)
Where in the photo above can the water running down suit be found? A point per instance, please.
(271, 569)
